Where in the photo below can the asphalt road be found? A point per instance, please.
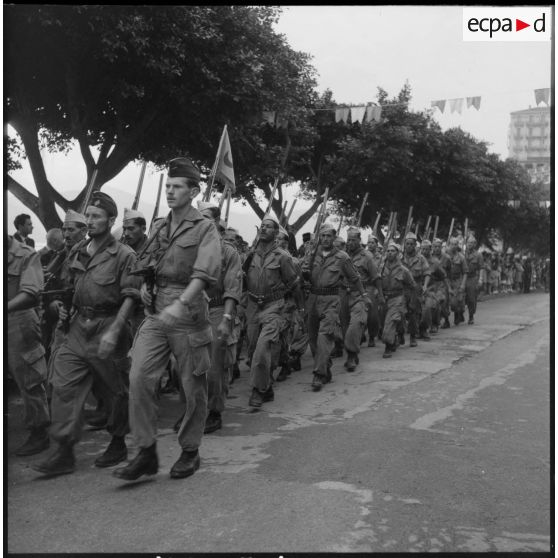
(444, 447)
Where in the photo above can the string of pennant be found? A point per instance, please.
(373, 112)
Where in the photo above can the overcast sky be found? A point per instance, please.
(355, 49)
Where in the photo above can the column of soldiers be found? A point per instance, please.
(190, 297)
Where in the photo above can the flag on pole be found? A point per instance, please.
(223, 167)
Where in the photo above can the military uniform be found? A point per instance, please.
(101, 282)
(26, 361)
(322, 307)
(395, 279)
(270, 275)
(192, 251)
(354, 309)
(457, 269)
(374, 323)
(435, 295)
(475, 263)
(419, 268)
(229, 285)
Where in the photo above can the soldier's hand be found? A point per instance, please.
(108, 343)
(55, 306)
(224, 331)
(171, 313)
(146, 297)
(62, 312)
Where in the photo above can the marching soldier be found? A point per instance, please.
(445, 263)
(475, 263)
(420, 270)
(184, 258)
(133, 230)
(436, 293)
(97, 342)
(26, 360)
(224, 298)
(396, 278)
(373, 318)
(457, 278)
(325, 267)
(270, 275)
(354, 308)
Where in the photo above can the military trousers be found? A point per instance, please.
(323, 329)
(471, 294)
(76, 366)
(413, 299)
(456, 299)
(353, 316)
(299, 337)
(27, 365)
(394, 317)
(189, 341)
(223, 356)
(429, 310)
(373, 321)
(264, 326)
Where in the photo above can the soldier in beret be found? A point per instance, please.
(439, 253)
(98, 340)
(325, 268)
(224, 298)
(133, 230)
(185, 255)
(475, 263)
(270, 275)
(458, 269)
(395, 278)
(420, 270)
(374, 323)
(354, 308)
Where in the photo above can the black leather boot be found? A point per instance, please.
(61, 462)
(146, 462)
(188, 463)
(213, 422)
(36, 443)
(115, 453)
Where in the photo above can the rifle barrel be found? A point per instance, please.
(139, 187)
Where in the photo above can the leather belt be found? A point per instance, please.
(90, 312)
(262, 299)
(164, 282)
(329, 291)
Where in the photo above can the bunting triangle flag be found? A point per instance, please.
(441, 104)
(456, 105)
(223, 162)
(473, 101)
(542, 95)
(373, 113)
(357, 114)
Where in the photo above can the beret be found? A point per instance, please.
(394, 245)
(340, 239)
(411, 236)
(326, 227)
(306, 236)
(372, 237)
(104, 201)
(271, 217)
(132, 214)
(353, 230)
(74, 217)
(207, 205)
(426, 242)
(183, 167)
(437, 241)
